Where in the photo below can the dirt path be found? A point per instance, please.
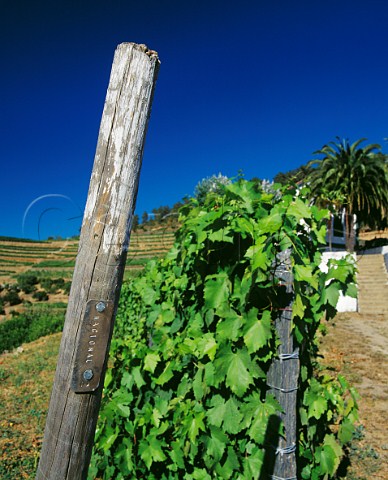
(357, 347)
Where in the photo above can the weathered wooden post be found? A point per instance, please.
(283, 377)
(76, 394)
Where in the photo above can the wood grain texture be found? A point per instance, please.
(103, 246)
(284, 375)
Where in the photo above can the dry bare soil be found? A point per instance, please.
(357, 347)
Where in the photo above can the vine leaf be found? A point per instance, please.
(329, 455)
(346, 430)
(137, 376)
(216, 443)
(299, 209)
(238, 376)
(352, 290)
(207, 345)
(195, 425)
(229, 329)
(298, 307)
(257, 332)
(256, 415)
(216, 290)
(151, 451)
(254, 463)
(303, 273)
(166, 375)
(271, 223)
(198, 387)
(216, 413)
(316, 403)
(232, 416)
(258, 258)
(177, 455)
(231, 464)
(150, 362)
(331, 294)
(221, 236)
(149, 296)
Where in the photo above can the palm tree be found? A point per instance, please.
(353, 179)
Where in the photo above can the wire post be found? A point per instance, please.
(99, 268)
(283, 374)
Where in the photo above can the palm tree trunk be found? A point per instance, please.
(330, 227)
(352, 233)
(349, 231)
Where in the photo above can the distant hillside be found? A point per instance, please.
(17, 239)
(55, 259)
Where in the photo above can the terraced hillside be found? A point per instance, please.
(18, 257)
(56, 259)
(146, 245)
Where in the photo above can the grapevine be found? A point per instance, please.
(186, 394)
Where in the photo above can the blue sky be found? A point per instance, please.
(251, 85)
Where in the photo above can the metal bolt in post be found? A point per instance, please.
(100, 307)
(88, 375)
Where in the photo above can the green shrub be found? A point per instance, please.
(41, 274)
(187, 395)
(13, 332)
(46, 283)
(45, 324)
(12, 287)
(52, 285)
(27, 282)
(12, 297)
(40, 296)
(48, 307)
(27, 327)
(137, 261)
(55, 263)
(66, 287)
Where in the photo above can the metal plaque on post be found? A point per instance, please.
(92, 346)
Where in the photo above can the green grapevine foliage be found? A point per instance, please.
(186, 394)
